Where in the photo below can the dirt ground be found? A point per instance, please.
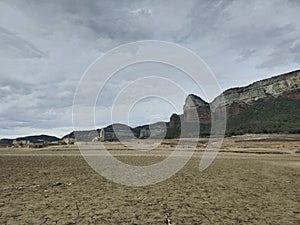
(57, 186)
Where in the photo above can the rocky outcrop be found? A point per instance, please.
(284, 84)
(116, 132)
(155, 130)
(238, 99)
(196, 110)
(174, 120)
(194, 102)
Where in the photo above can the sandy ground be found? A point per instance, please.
(56, 186)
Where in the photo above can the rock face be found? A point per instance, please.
(284, 84)
(194, 102)
(156, 130)
(116, 132)
(238, 99)
(174, 120)
(196, 110)
(119, 132)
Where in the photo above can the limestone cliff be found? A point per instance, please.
(196, 110)
(285, 84)
(238, 99)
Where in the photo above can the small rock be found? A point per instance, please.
(57, 184)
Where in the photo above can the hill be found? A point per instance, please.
(31, 139)
(267, 106)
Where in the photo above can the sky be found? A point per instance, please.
(46, 46)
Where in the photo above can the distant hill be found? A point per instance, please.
(6, 141)
(32, 139)
(85, 135)
(112, 132)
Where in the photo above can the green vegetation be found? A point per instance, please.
(273, 115)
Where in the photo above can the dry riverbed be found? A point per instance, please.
(57, 186)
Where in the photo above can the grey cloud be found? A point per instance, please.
(205, 18)
(45, 106)
(14, 46)
(246, 54)
(47, 45)
(286, 50)
(249, 29)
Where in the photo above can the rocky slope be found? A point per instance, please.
(270, 115)
(269, 105)
(237, 99)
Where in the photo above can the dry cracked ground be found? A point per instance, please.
(57, 186)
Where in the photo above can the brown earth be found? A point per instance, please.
(56, 186)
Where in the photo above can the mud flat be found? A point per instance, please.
(56, 186)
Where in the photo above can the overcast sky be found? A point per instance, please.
(45, 46)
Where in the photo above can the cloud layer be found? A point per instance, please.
(47, 45)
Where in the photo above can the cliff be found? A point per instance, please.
(196, 110)
(283, 85)
(238, 99)
(266, 106)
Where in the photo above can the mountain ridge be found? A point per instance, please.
(277, 91)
